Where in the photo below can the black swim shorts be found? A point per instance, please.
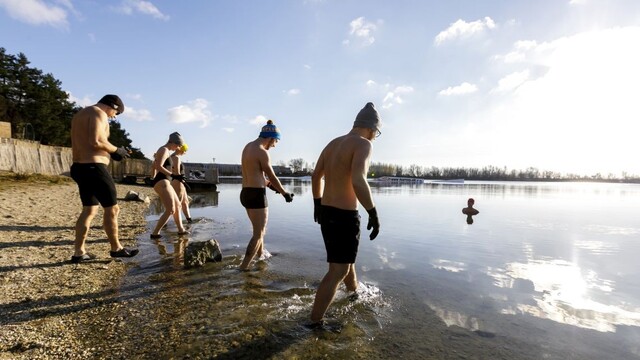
(253, 198)
(95, 184)
(341, 234)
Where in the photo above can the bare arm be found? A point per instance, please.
(161, 156)
(175, 164)
(265, 165)
(316, 178)
(99, 134)
(359, 168)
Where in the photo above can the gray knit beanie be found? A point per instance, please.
(176, 138)
(368, 118)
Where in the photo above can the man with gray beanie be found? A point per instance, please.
(343, 163)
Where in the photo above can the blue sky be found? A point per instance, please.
(550, 84)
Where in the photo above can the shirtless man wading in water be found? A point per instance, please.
(256, 164)
(343, 164)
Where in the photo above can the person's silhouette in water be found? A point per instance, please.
(470, 211)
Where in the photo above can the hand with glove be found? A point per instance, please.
(288, 197)
(373, 223)
(120, 153)
(317, 210)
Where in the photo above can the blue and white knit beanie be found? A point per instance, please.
(270, 131)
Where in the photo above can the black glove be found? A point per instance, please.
(288, 197)
(373, 223)
(317, 210)
(120, 153)
(270, 186)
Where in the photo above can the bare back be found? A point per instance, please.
(89, 130)
(344, 163)
(255, 161)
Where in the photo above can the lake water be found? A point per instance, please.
(545, 271)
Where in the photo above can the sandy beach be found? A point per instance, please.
(44, 299)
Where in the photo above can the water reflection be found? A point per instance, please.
(563, 291)
(198, 200)
(172, 250)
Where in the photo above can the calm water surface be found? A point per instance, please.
(545, 271)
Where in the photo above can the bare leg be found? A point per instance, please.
(258, 219)
(110, 225)
(327, 289)
(351, 281)
(82, 228)
(177, 217)
(166, 193)
(184, 200)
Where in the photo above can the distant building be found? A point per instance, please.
(282, 170)
(229, 169)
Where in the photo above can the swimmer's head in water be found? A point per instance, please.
(470, 202)
(270, 131)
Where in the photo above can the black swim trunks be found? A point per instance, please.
(253, 198)
(341, 234)
(95, 184)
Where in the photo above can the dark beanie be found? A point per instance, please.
(114, 102)
(368, 118)
(176, 138)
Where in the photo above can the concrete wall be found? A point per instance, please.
(29, 157)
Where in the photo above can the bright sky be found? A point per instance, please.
(551, 84)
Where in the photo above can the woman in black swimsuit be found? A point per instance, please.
(161, 174)
(178, 180)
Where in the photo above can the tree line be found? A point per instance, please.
(37, 108)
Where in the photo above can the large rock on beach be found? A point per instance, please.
(200, 252)
(135, 196)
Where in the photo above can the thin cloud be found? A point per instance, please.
(259, 120)
(512, 81)
(130, 7)
(519, 53)
(194, 111)
(85, 101)
(228, 129)
(393, 94)
(463, 29)
(361, 31)
(37, 12)
(462, 89)
(137, 115)
(293, 92)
